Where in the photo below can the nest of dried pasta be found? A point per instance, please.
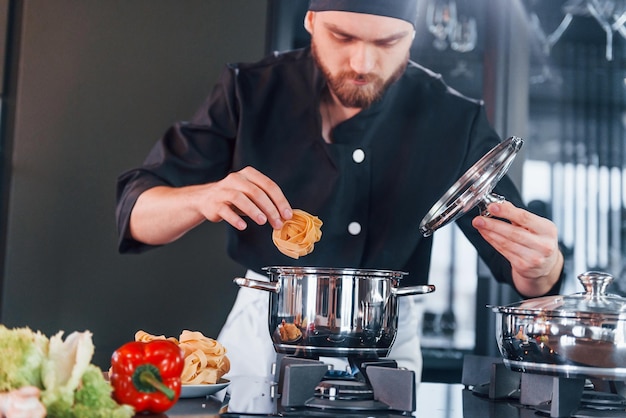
(298, 235)
(205, 358)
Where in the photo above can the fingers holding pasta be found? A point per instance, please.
(162, 214)
(245, 193)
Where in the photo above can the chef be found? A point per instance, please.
(349, 130)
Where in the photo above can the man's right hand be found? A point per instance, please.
(163, 214)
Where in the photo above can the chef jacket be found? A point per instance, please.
(371, 186)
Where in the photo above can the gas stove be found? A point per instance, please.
(307, 387)
(504, 388)
(377, 388)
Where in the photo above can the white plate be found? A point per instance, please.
(199, 391)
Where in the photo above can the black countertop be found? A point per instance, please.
(434, 400)
(251, 397)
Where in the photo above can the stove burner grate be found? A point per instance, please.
(346, 405)
(343, 390)
(572, 396)
(375, 385)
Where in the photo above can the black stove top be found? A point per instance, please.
(548, 391)
(489, 389)
(311, 388)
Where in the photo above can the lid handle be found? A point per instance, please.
(595, 282)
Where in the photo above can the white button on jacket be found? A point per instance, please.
(354, 228)
(358, 155)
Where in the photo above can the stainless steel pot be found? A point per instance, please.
(579, 334)
(333, 311)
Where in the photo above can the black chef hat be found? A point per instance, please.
(400, 9)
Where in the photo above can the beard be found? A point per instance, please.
(353, 96)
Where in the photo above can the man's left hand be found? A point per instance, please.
(529, 242)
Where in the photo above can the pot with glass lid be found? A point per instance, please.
(579, 334)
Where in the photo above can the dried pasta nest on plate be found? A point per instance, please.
(205, 358)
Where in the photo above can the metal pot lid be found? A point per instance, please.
(594, 303)
(474, 188)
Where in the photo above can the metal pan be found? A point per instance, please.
(342, 312)
(577, 333)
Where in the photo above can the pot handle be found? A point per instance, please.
(257, 284)
(413, 290)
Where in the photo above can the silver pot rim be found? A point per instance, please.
(336, 271)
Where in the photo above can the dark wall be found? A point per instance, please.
(97, 82)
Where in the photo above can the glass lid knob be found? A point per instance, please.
(474, 188)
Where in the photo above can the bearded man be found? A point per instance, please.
(352, 131)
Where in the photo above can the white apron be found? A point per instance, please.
(251, 352)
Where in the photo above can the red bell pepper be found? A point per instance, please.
(146, 375)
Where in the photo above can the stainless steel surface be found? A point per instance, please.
(474, 188)
(569, 371)
(333, 311)
(584, 330)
